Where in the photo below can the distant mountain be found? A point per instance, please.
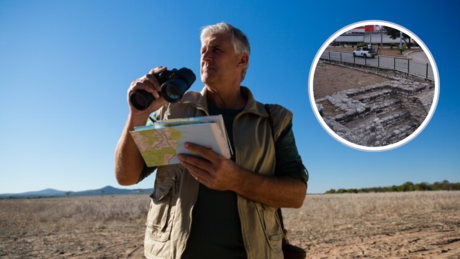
(107, 190)
(46, 192)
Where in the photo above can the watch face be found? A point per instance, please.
(374, 85)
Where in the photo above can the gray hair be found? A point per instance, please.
(239, 39)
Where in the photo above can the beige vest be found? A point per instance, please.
(175, 192)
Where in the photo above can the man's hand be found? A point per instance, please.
(211, 169)
(128, 160)
(151, 85)
(218, 173)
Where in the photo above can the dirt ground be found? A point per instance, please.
(329, 79)
(384, 225)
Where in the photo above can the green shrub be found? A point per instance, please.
(401, 49)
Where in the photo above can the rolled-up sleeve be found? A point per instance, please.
(288, 161)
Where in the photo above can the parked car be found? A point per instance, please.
(365, 52)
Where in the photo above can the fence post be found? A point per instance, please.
(426, 70)
(378, 59)
(354, 60)
(408, 66)
(365, 60)
(394, 63)
(340, 57)
(329, 56)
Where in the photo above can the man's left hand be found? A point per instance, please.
(211, 169)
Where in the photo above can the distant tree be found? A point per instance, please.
(422, 187)
(331, 191)
(395, 34)
(408, 187)
(445, 185)
(102, 192)
(140, 191)
(436, 186)
(455, 186)
(68, 194)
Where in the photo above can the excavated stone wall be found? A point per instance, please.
(379, 114)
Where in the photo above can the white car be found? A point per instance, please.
(364, 52)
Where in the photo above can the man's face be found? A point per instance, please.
(219, 62)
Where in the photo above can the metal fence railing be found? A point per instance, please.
(403, 65)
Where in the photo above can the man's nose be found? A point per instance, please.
(206, 56)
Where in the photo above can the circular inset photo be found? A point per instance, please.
(374, 85)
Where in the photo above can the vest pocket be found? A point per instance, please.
(161, 212)
(271, 225)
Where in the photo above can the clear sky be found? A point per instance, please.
(65, 67)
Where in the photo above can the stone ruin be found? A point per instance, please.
(380, 114)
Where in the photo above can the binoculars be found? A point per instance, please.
(174, 83)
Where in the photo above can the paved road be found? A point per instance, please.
(414, 67)
(419, 56)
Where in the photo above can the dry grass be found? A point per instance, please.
(378, 225)
(78, 227)
(31, 216)
(384, 225)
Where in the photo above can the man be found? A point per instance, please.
(209, 206)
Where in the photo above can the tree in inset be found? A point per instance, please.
(395, 34)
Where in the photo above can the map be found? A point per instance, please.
(160, 143)
(158, 146)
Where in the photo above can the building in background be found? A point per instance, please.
(366, 34)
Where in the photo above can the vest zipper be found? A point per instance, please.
(245, 242)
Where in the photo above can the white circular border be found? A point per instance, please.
(433, 105)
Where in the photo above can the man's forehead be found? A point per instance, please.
(216, 39)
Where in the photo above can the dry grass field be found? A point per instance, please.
(384, 225)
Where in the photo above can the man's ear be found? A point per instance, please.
(244, 60)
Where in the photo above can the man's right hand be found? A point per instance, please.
(128, 160)
(151, 85)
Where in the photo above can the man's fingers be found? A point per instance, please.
(205, 152)
(143, 84)
(153, 81)
(195, 161)
(157, 70)
(197, 173)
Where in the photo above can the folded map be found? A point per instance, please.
(160, 142)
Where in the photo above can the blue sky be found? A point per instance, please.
(65, 67)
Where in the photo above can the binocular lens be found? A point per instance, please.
(141, 99)
(173, 90)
